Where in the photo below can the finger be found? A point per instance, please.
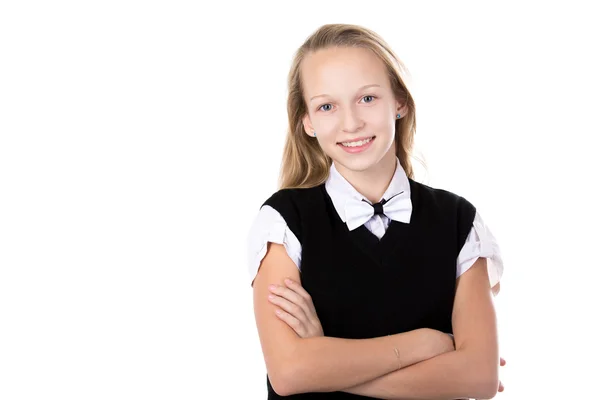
(308, 305)
(289, 307)
(500, 387)
(297, 287)
(292, 296)
(292, 322)
(502, 362)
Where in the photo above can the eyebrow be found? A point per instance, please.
(362, 88)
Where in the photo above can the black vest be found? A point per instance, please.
(363, 287)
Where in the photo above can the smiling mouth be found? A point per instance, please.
(357, 143)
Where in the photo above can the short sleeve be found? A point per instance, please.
(481, 243)
(269, 226)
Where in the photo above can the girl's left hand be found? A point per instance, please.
(296, 308)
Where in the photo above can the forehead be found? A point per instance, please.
(341, 69)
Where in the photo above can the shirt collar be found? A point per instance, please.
(341, 191)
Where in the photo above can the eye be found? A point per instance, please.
(325, 105)
(368, 96)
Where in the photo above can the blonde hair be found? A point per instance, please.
(304, 164)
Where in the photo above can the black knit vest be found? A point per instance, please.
(363, 287)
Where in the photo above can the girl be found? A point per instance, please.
(368, 284)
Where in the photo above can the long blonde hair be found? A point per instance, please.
(304, 164)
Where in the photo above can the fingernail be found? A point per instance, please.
(288, 281)
(272, 287)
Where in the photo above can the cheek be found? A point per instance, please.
(381, 122)
(326, 126)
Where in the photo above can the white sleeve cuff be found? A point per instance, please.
(481, 243)
(269, 226)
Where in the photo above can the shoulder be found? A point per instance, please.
(270, 227)
(279, 221)
(299, 197)
(292, 204)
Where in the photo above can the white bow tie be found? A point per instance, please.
(397, 207)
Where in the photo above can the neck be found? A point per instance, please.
(373, 182)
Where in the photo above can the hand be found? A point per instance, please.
(296, 308)
(500, 385)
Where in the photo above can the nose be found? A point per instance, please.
(351, 121)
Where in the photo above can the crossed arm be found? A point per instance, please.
(469, 371)
(371, 366)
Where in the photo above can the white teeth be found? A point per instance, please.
(356, 144)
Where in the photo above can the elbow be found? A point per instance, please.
(279, 384)
(287, 371)
(482, 373)
(294, 371)
(485, 383)
(286, 379)
(486, 389)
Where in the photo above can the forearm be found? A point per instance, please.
(456, 374)
(326, 364)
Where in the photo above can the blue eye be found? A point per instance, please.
(324, 106)
(373, 97)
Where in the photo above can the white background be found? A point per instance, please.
(139, 139)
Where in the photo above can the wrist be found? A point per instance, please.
(411, 347)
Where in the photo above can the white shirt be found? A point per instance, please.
(269, 226)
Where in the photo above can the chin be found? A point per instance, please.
(358, 163)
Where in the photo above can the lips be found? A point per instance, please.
(356, 139)
(357, 149)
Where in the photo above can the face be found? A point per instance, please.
(351, 107)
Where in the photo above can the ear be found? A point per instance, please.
(308, 128)
(401, 109)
